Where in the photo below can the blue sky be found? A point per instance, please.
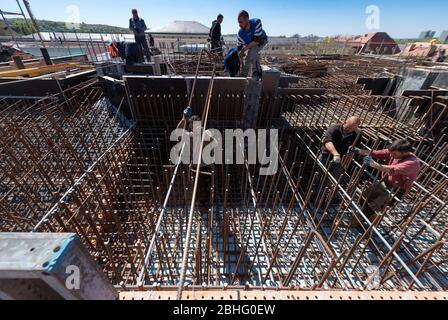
(280, 17)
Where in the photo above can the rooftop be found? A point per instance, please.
(182, 27)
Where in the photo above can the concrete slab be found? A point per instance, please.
(42, 266)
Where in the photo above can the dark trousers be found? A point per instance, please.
(216, 47)
(143, 47)
(252, 61)
(378, 197)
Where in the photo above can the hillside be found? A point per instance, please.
(4, 31)
(20, 27)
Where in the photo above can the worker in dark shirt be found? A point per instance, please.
(215, 35)
(138, 26)
(338, 139)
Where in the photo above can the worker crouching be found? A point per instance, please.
(336, 143)
(399, 172)
(251, 40)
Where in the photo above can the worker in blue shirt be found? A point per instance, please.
(138, 26)
(251, 40)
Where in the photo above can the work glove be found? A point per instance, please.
(337, 159)
(354, 150)
(368, 161)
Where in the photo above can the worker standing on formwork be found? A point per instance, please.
(337, 142)
(251, 40)
(215, 35)
(138, 26)
(400, 171)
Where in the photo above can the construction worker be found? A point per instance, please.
(338, 139)
(400, 170)
(215, 35)
(251, 40)
(138, 26)
(114, 52)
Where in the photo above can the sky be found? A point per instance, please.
(400, 18)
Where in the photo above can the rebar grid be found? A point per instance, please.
(342, 73)
(393, 117)
(79, 166)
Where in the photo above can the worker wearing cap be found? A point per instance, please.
(251, 40)
(138, 26)
(215, 35)
(400, 170)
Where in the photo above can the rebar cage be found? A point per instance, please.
(79, 165)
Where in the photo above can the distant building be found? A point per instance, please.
(181, 29)
(427, 50)
(444, 36)
(374, 42)
(182, 36)
(427, 34)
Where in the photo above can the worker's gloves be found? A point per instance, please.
(354, 150)
(337, 159)
(368, 161)
(188, 113)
